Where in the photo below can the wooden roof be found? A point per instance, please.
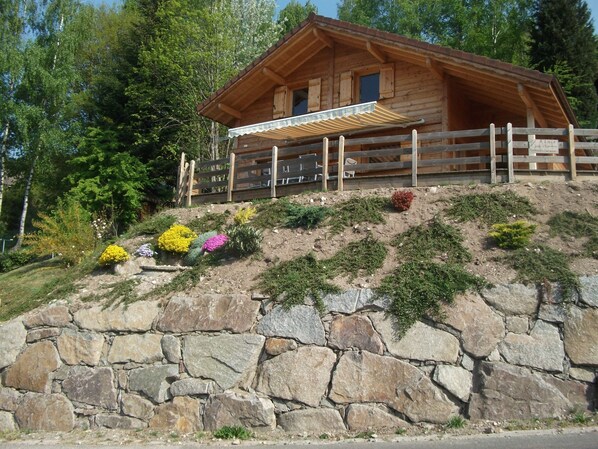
(481, 79)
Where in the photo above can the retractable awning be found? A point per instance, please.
(332, 121)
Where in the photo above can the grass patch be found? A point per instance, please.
(490, 208)
(418, 289)
(578, 225)
(365, 435)
(541, 263)
(456, 422)
(210, 221)
(156, 224)
(580, 417)
(401, 431)
(363, 256)
(271, 214)
(427, 241)
(233, 432)
(354, 211)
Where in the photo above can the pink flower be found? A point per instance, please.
(213, 243)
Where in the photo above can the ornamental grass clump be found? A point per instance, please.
(176, 239)
(112, 255)
(243, 240)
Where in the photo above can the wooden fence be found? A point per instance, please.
(487, 155)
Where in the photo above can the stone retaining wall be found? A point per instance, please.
(201, 363)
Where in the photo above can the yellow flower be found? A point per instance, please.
(113, 254)
(176, 239)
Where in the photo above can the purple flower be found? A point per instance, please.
(144, 250)
(213, 243)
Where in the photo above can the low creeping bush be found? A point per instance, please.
(512, 235)
(209, 221)
(366, 255)
(307, 217)
(358, 210)
(15, 259)
(490, 208)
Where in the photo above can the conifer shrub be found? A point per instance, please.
(244, 215)
(196, 248)
(307, 217)
(512, 235)
(401, 200)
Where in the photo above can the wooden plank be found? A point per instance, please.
(211, 163)
(435, 68)
(207, 185)
(341, 163)
(454, 134)
(323, 37)
(492, 154)
(260, 179)
(313, 94)
(531, 104)
(572, 161)
(587, 159)
(387, 80)
(453, 161)
(375, 52)
(544, 159)
(379, 166)
(274, 172)
(231, 177)
(586, 132)
(376, 140)
(474, 146)
(253, 167)
(230, 111)
(525, 144)
(346, 88)
(585, 145)
(414, 158)
(190, 181)
(180, 176)
(540, 131)
(209, 174)
(274, 76)
(510, 153)
(325, 164)
(383, 152)
(280, 102)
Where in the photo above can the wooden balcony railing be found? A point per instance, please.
(487, 155)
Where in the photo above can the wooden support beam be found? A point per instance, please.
(492, 154)
(435, 68)
(325, 164)
(571, 145)
(231, 178)
(190, 181)
(510, 153)
(274, 172)
(414, 158)
(230, 111)
(323, 37)
(531, 104)
(376, 52)
(274, 76)
(341, 164)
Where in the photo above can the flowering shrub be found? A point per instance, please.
(213, 243)
(512, 235)
(244, 215)
(176, 239)
(113, 254)
(401, 200)
(145, 250)
(101, 228)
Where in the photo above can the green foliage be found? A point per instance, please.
(154, 225)
(182, 281)
(243, 240)
(357, 210)
(489, 208)
(271, 214)
(121, 292)
(541, 263)
(307, 217)
(233, 432)
(244, 215)
(67, 232)
(418, 289)
(579, 417)
(209, 221)
(366, 255)
(401, 431)
(365, 435)
(424, 242)
(456, 422)
(293, 14)
(291, 282)
(512, 235)
(14, 259)
(573, 224)
(195, 249)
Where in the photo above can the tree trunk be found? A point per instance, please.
(2, 159)
(21, 234)
(214, 140)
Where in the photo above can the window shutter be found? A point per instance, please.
(314, 91)
(387, 81)
(280, 102)
(346, 89)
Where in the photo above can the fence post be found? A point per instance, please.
(231, 177)
(190, 180)
(325, 164)
(180, 182)
(510, 152)
(341, 164)
(274, 171)
(492, 154)
(572, 159)
(414, 158)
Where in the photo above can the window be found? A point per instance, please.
(369, 87)
(300, 97)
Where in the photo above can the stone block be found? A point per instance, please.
(181, 415)
(361, 417)
(192, 387)
(513, 299)
(354, 332)
(589, 290)
(136, 317)
(555, 313)
(456, 380)
(12, 341)
(33, 368)
(93, 386)
(239, 409)
(53, 316)
(9, 399)
(119, 422)
(140, 348)
(302, 323)
(7, 422)
(154, 381)
(80, 347)
(517, 324)
(581, 329)
(171, 347)
(136, 406)
(48, 412)
(313, 421)
(276, 346)
(43, 333)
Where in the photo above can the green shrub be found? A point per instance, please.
(512, 235)
(573, 224)
(271, 214)
(456, 422)
(209, 221)
(424, 242)
(307, 217)
(14, 259)
(418, 289)
(154, 225)
(233, 432)
(490, 208)
(358, 210)
(366, 255)
(243, 240)
(244, 215)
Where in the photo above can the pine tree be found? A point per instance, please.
(563, 41)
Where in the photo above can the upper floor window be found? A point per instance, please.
(369, 87)
(300, 100)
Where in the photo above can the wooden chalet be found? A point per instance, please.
(338, 105)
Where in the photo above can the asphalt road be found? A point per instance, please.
(569, 439)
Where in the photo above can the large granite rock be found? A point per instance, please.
(93, 386)
(354, 332)
(7, 422)
(53, 316)
(302, 375)
(140, 348)
(239, 409)
(299, 322)
(12, 341)
(9, 399)
(313, 421)
(192, 387)
(119, 422)
(277, 346)
(136, 406)
(51, 412)
(32, 370)
(153, 381)
(542, 348)
(589, 290)
(505, 391)
(420, 342)
(181, 415)
(43, 333)
(513, 299)
(457, 380)
(361, 417)
(227, 359)
(581, 395)
(136, 317)
(404, 388)
(352, 301)
(80, 347)
(481, 328)
(235, 313)
(171, 347)
(581, 331)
